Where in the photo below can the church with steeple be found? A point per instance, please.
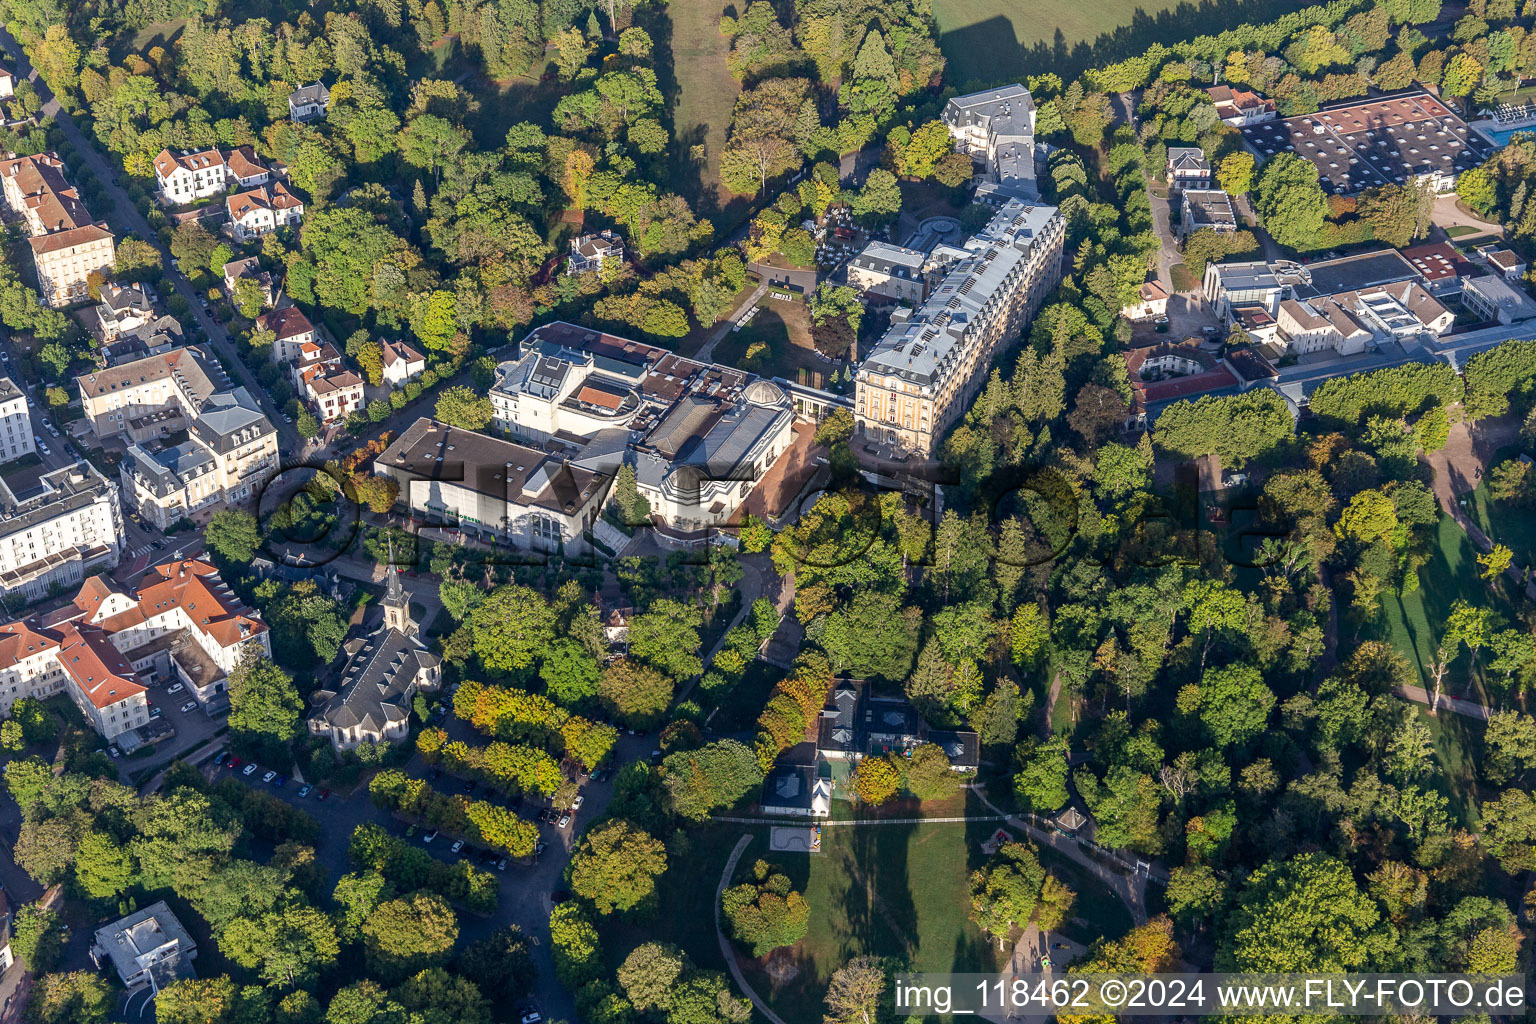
(383, 672)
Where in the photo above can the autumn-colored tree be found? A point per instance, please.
(876, 780)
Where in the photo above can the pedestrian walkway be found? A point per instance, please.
(1456, 705)
(725, 944)
(1131, 891)
(706, 351)
(824, 823)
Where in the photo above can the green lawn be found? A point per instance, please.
(1462, 230)
(1459, 750)
(889, 890)
(686, 896)
(1415, 622)
(785, 328)
(991, 41)
(705, 97)
(1504, 523)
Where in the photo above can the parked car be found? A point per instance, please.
(540, 847)
(410, 830)
(429, 836)
(501, 865)
(155, 712)
(248, 769)
(458, 844)
(114, 751)
(188, 706)
(325, 794)
(281, 780)
(565, 820)
(532, 1017)
(576, 804)
(174, 688)
(269, 776)
(303, 792)
(234, 762)
(218, 762)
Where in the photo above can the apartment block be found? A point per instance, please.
(997, 129)
(148, 400)
(35, 188)
(262, 211)
(921, 375)
(65, 260)
(57, 529)
(16, 437)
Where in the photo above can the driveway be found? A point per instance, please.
(125, 218)
(1449, 215)
(1168, 252)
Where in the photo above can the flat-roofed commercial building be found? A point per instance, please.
(1361, 144)
(699, 436)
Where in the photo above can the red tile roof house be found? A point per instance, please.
(187, 176)
(292, 329)
(1172, 371)
(262, 211)
(180, 622)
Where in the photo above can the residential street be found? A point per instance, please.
(524, 890)
(125, 218)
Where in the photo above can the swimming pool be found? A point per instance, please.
(1500, 136)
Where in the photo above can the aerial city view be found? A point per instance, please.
(801, 512)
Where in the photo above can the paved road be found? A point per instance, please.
(1167, 253)
(125, 217)
(1447, 215)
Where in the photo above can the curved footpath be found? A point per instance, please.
(725, 943)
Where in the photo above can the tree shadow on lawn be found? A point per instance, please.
(991, 45)
(1423, 613)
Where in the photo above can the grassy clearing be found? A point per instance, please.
(686, 898)
(986, 40)
(785, 328)
(888, 890)
(503, 104)
(991, 41)
(1504, 523)
(1458, 749)
(706, 95)
(159, 33)
(1183, 278)
(1462, 230)
(1415, 622)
